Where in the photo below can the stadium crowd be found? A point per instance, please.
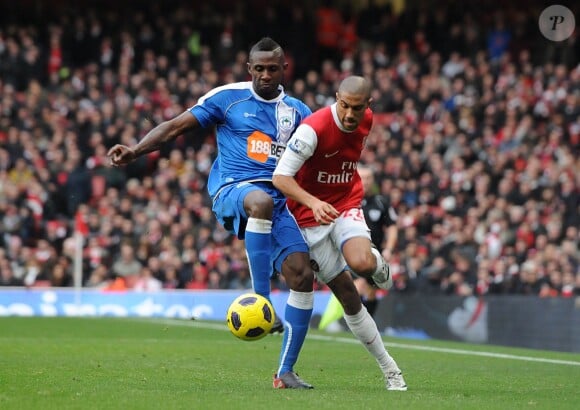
(476, 140)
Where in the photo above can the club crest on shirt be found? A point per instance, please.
(285, 115)
(285, 128)
(286, 123)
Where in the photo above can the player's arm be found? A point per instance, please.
(301, 147)
(154, 139)
(392, 232)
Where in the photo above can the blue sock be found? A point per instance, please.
(258, 249)
(297, 317)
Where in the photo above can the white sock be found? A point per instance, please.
(363, 326)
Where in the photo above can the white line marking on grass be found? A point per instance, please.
(456, 351)
(216, 326)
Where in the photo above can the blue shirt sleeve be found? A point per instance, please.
(210, 109)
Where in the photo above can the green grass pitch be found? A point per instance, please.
(107, 363)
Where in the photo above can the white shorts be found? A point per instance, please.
(326, 241)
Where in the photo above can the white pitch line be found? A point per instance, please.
(216, 326)
(455, 351)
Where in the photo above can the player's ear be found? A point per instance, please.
(285, 65)
(336, 95)
(369, 101)
(249, 68)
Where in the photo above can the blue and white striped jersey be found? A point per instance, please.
(251, 132)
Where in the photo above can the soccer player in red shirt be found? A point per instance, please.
(318, 174)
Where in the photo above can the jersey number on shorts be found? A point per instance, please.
(355, 214)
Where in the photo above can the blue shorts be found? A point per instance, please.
(229, 210)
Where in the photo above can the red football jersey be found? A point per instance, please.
(330, 173)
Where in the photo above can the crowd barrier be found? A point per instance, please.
(178, 304)
(517, 321)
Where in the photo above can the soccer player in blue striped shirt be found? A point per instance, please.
(253, 121)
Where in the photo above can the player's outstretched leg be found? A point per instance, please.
(297, 315)
(258, 247)
(365, 329)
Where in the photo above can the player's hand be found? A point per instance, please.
(324, 213)
(387, 254)
(121, 155)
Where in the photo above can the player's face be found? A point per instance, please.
(351, 109)
(267, 71)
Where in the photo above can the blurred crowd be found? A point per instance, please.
(476, 140)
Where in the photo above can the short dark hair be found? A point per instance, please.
(266, 44)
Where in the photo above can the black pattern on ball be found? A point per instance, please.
(255, 332)
(267, 313)
(236, 321)
(247, 301)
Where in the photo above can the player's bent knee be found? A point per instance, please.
(364, 266)
(300, 280)
(303, 283)
(259, 204)
(297, 272)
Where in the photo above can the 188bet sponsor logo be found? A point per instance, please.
(261, 147)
